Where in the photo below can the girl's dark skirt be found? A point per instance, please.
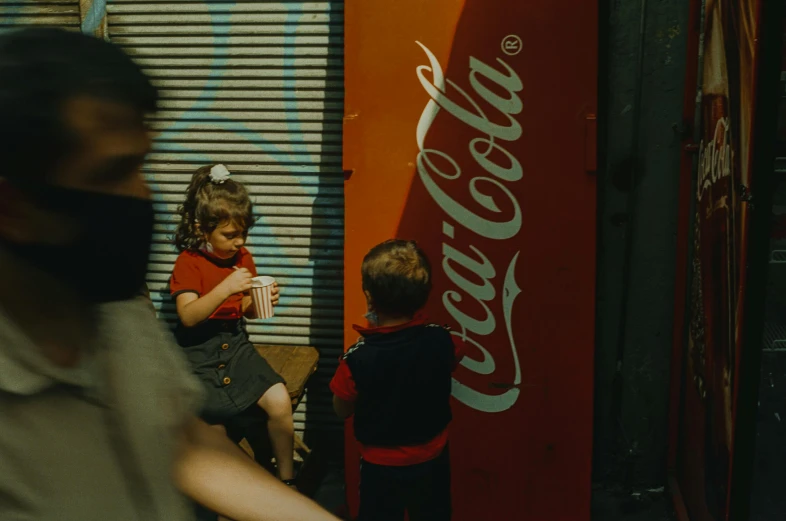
(233, 372)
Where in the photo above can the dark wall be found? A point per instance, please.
(641, 85)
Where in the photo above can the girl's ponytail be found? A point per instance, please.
(188, 235)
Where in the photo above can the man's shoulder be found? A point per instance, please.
(142, 350)
(134, 310)
(133, 326)
(22, 368)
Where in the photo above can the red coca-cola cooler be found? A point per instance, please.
(470, 127)
(723, 240)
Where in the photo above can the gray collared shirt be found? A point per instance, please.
(95, 442)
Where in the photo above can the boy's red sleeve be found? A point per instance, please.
(459, 350)
(185, 277)
(342, 384)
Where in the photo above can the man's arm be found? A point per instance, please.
(214, 472)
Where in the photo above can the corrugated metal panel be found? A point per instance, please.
(257, 86)
(26, 13)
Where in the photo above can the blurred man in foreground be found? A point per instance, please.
(97, 405)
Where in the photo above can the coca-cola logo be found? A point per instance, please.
(493, 169)
(716, 158)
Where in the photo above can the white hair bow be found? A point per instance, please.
(219, 174)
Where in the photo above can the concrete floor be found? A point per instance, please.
(768, 501)
(606, 505)
(637, 506)
(330, 493)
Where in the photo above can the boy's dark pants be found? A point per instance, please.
(422, 490)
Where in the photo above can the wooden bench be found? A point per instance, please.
(294, 364)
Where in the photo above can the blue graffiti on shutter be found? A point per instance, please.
(94, 12)
(221, 29)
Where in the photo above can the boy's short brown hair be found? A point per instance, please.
(397, 276)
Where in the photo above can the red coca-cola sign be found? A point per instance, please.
(468, 173)
(465, 132)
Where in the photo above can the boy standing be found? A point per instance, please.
(396, 380)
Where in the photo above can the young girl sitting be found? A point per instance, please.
(210, 285)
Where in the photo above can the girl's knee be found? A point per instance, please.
(276, 402)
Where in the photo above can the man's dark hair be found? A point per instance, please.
(397, 275)
(41, 69)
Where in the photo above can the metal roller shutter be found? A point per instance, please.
(257, 86)
(26, 13)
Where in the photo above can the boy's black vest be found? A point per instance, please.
(403, 379)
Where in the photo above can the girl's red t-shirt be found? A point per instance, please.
(196, 272)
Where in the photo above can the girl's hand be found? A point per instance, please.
(238, 282)
(274, 294)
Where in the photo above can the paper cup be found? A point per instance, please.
(262, 295)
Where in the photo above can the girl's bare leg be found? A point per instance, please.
(281, 427)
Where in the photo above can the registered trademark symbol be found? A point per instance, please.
(511, 45)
